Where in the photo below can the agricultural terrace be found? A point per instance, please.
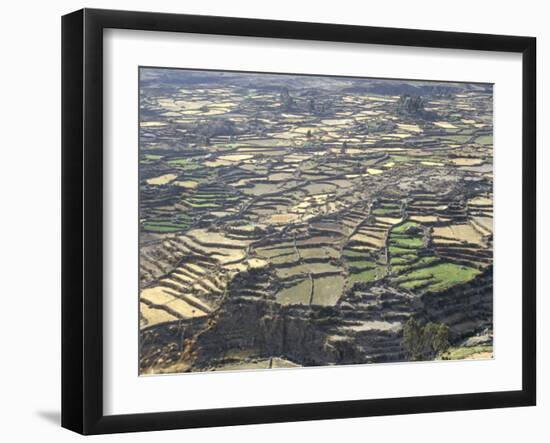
(357, 197)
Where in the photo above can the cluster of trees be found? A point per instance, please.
(424, 342)
(214, 127)
(301, 103)
(410, 104)
(413, 105)
(287, 102)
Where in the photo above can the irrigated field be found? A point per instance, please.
(289, 221)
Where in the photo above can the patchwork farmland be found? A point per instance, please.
(291, 221)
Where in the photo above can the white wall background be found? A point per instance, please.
(30, 219)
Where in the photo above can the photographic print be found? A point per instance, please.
(305, 220)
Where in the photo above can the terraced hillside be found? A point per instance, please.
(298, 220)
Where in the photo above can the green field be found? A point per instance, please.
(485, 140)
(164, 227)
(183, 163)
(440, 276)
(462, 353)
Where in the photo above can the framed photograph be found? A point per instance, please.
(269, 221)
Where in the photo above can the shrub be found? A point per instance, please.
(424, 342)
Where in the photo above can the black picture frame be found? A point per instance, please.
(82, 218)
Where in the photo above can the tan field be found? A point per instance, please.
(162, 180)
